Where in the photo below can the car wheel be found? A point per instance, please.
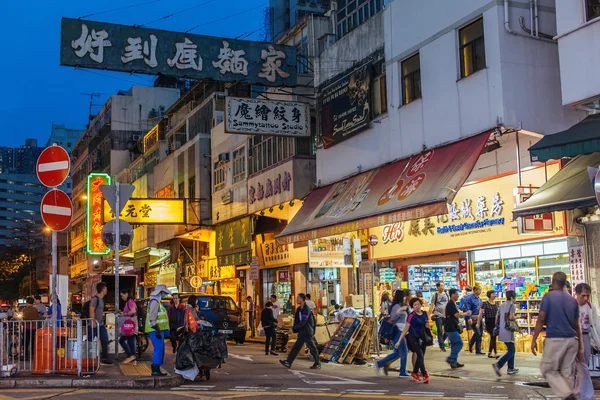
(240, 341)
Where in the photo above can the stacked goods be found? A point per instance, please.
(351, 341)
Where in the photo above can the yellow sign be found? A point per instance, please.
(149, 211)
(480, 215)
(195, 282)
(218, 273)
(151, 138)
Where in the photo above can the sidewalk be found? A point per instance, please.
(136, 375)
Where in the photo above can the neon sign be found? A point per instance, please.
(95, 245)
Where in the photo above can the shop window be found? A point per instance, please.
(239, 164)
(219, 175)
(411, 79)
(379, 90)
(521, 268)
(592, 9)
(488, 273)
(548, 265)
(472, 48)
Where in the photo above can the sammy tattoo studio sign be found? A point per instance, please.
(99, 45)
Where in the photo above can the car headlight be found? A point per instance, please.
(242, 324)
(205, 323)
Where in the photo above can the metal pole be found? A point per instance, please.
(375, 341)
(117, 249)
(518, 159)
(54, 297)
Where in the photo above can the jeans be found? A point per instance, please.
(270, 338)
(508, 357)
(128, 344)
(441, 335)
(302, 339)
(251, 322)
(490, 328)
(476, 338)
(456, 345)
(159, 348)
(401, 352)
(100, 331)
(29, 342)
(417, 346)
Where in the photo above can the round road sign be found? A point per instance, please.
(53, 166)
(373, 240)
(196, 282)
(57, 210)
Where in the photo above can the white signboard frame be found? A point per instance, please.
(266, 117)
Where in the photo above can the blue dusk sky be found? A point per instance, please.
(37, 91)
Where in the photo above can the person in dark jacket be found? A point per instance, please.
(269, 324)
(304, 326)
(176, 314)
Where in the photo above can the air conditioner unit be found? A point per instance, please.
(223, 157)
(137, 137)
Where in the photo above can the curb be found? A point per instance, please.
(93, 383)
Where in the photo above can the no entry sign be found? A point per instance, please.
(53, 166)
(57, 210)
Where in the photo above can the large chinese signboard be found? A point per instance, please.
(234, 242)
(149, 212)
(577, 261)
(480, 215)
(90, 44)
(266, 117)
(95, 223)
(346, 106)
(275, 255)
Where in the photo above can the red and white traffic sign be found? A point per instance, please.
(53, 166)
(373, 240)
(57, 210)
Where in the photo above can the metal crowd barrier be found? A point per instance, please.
(28, 346)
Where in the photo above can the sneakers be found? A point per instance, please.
(405, 375)
(285, 363)
(415, 377)
(377, 369)
(316, 366)
(425, 378)
(497, 369)
(513, 371)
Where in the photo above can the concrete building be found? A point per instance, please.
(7, 160)
(66, 138)
(26, 157)
(111, 142)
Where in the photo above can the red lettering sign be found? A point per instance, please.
(393, 232)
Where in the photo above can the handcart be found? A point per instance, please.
(199, 352)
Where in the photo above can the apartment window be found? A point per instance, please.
(181, 189)
(379, 89)
(472, 48)
(192, 187)
(411, 79)
(265, 151)
(352, 13)
(219, 174)
(239, 164)
(592, 9)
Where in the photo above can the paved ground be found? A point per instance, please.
(249, 374)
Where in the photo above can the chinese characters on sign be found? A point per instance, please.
(234, 242)
(95, 222)
(165, 193)
(274, 255)
(220, 272)
(89, 44)
(577, 261)
(282, 183)
(151, 138)
(149, 211)
(266, 117)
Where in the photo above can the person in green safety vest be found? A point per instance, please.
(157, 326)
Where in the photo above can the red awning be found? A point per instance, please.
(415, 187)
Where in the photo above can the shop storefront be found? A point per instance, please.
(478, 243)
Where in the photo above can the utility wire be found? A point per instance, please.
(175, 13)
(227, 17)
(120, 8)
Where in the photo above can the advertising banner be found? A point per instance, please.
(266, 117)
(149, 212)
(100, 45)
(234, 242)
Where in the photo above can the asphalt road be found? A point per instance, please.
(249, 374)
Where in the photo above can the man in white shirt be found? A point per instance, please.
(588, 318)
(311, 304)
(276, 306)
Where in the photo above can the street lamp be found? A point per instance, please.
(47, 229)
(84, 197)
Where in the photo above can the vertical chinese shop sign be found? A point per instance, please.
(95, 245)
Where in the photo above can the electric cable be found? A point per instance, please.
(227, 17)
(174, 14)
(120, 8)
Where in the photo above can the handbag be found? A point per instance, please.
(510, 325)
(388, 331)
(426, 337)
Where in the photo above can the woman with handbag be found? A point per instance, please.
(418, 336)
(490, 311)
(128, 325)
(397, 319)
(507, 326)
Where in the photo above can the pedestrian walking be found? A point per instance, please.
(588, 318)
(490, 310)
(304, 326)
(39, 306)
(10, 314)
(157, 326)
(49, 312)
(385, 306)
(398, 316)
(473, 304)
(269, 324)
(415, 331)
(96, 311)
(250, 310)
(128, 325)
(276, 307)
(176, 314)
(30, 314)
(288, 305)
(311, 304)
(437, 310)
(419, 295)
(506, 313)
(559, 312)
(453, 328)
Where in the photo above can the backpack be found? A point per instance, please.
(85, 309)
(141, 316)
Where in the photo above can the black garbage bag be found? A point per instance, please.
(185, 358)
(208, 344)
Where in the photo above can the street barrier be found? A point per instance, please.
(28, 346)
